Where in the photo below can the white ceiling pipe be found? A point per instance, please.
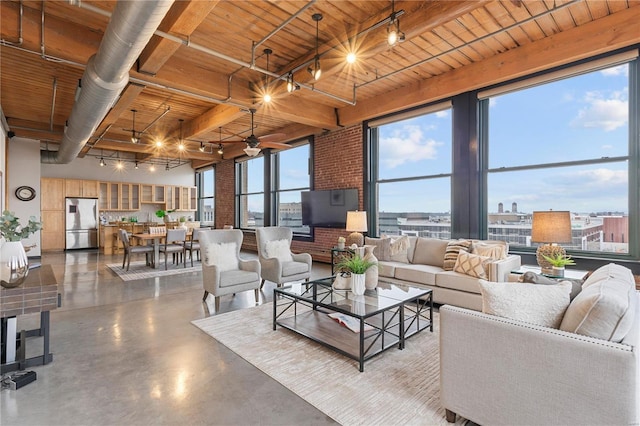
(107, 73)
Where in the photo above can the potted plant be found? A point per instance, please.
(14, 264)
(558, 261)
(357, 266)
(341, 241)
(164, 214)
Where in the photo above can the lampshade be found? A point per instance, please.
(551, 227)
(357, 221)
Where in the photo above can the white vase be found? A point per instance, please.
(14, 264)
(357, 284)
(371, 276)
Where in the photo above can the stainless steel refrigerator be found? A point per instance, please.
(82, 223)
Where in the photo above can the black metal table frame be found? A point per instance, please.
(421, 302)
(22, 362)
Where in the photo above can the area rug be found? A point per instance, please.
(139, 270)
(397, 387)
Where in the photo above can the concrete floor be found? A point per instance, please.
(126, 353)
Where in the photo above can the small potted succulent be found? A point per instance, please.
(341, 241)
(558, 261)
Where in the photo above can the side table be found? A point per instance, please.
(336, 256)
(38, 293)
(569, 274)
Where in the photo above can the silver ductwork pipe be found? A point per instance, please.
(131, 27)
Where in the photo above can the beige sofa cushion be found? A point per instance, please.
(493, 249)
(451, 254)
(381, 252)
(429, 251)
(457, 281)
(536, 304)
(472, 265)
(422, 274)
(606, 306)
(386, 269)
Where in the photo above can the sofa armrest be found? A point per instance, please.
(497, 371)
(499, 270)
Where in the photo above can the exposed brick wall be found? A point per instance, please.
(225, 198)
(338, 164)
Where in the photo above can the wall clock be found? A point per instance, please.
(25, 193)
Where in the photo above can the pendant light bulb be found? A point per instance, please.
(316, 71)
(220, 149)
(136, 165)
(102, 163)
(134, 136)
(201, 149)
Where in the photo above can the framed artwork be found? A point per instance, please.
(337, 197)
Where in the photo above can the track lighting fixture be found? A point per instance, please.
(167, 168)
(136, 165)
(134, 135)
(201, 149)
(315, 70)
(181, 145)
(102, 163)
(220, 149)
(394, 35)
(292, 86)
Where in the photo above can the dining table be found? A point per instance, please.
(155, 239)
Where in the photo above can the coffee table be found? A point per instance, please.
(383, 318)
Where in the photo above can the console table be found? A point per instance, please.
(38, 293)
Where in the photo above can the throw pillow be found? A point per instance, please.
(451, 253)
(278, 249)
(533, 278)
(472, 265)
(399, 249)
(430, 251)
(494, 249)
(222, 255)
(537, 304)
(382, 247)
(606, 306)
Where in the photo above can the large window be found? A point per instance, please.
(411, 173)
(250, 192)
(206, 184)
(561, 145)
(291, 178)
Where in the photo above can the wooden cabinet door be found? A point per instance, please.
(146, 193)
(53, 233)
(114, 196)
(193, 198)
(158, 194)
(135, 196)
(104, 196)
(52, 194)
(125, 196)
(90, 189)
(72, 188)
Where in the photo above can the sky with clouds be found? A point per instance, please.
(580, 118)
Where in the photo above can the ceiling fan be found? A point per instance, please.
(255, 144)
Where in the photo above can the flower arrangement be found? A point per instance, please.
(342, 239)
(11, 229)
(559, 260)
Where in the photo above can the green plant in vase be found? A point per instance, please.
(357, 266)
(560, 260)
(14, 263)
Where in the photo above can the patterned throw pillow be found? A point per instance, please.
(451, 254)
(494, 249)
(399, 249)
(472, 265)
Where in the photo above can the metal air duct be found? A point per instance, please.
(131, 27)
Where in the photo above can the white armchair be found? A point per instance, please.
(278, 264)
(223, 271)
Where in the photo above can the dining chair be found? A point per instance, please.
(174, 243)
(193, 245)
(129, 250)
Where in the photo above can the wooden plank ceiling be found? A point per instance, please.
(207, 81)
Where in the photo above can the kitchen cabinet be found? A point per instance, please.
(52, 235)
(146, 193)
(81, 188)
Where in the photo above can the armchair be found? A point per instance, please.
(223, 271)
(278, 264)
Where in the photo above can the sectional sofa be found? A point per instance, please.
(437, 265)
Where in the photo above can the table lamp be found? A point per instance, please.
(549, 228)
(356, 223)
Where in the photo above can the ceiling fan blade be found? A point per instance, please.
(273, 137)
(276, 145)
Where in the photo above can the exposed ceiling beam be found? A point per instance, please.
(603, 35)
(183, 18)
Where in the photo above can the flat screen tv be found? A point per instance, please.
(328, 209)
